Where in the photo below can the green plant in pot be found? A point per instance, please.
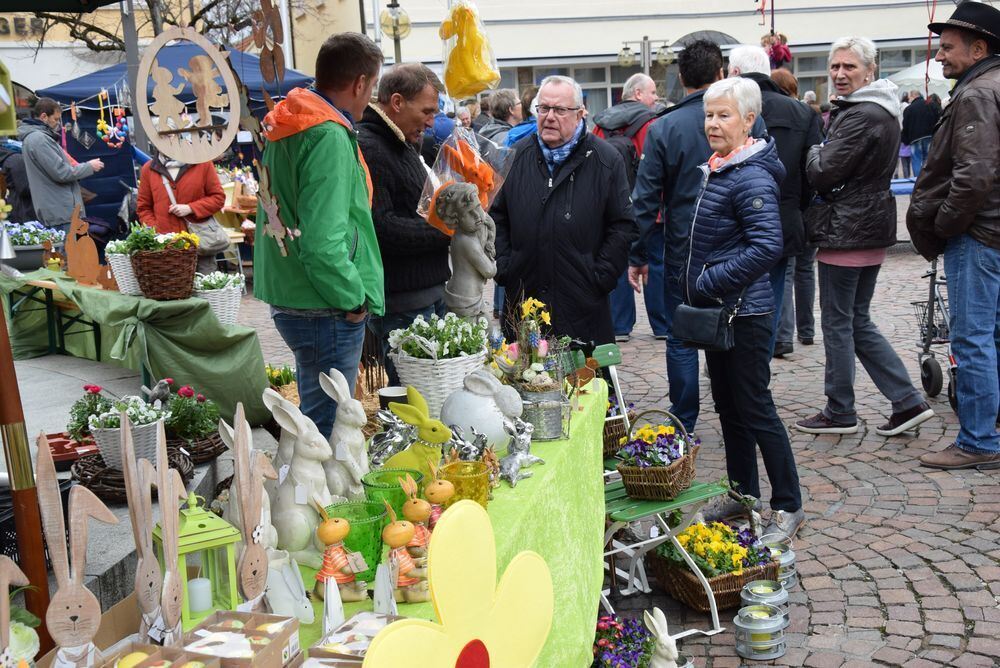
(194, 420)
(92, 403)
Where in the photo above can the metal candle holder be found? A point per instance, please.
(769, 592)
(781, 549)
(760, 632)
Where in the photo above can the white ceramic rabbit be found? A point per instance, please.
(483, 402)
(74, 613)
(665, 655)
(383, 598)
(350, 456)
(139, 478)
(285, 594)
(286, 443)
(231, 511)
(291, 512)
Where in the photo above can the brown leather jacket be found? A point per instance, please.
(958, 190)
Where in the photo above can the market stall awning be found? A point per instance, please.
(83, 90)
(913, 78)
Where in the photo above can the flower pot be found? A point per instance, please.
(167, 274)
(548, 412)
(224, 302)
(121, 265)
(109, 443)
(436, 379)
(29, 258)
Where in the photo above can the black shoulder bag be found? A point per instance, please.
(706, 328)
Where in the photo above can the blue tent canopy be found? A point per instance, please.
(83, 90)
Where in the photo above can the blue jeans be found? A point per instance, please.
(623, 296)
(778, 274)
(800, 294)
(382, 326)
(973, 271)
(919, 149)
(498, 293)
(320, 343)
(682, 361)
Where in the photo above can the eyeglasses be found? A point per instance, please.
(560, 112)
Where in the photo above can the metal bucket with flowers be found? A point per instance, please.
(657, 457)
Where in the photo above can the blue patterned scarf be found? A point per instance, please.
(557, 156)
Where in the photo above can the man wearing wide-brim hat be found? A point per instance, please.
(955, 209)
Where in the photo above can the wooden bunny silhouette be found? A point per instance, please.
(74, 612)
(138, 491)
(10, 574)
(170, 487)
(166, 107)
(81, 252)
(207, 90)
(252, 467)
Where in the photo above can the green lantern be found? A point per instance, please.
(206, 560)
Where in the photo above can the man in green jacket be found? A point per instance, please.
(326, 279)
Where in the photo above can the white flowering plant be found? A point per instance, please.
(32, 234)
(137, 410)
(217, 280)
(24, 644)
(446, 337)
(117, 247)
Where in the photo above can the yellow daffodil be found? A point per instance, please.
(481, 623)
(545, 317)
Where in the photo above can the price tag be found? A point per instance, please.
(356, 562)
(155, 632)
(283, 473)
(301, 495)
(340, 451)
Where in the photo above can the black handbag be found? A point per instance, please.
(706, 328)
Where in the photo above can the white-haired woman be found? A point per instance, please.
(852, 225)
(735, 241)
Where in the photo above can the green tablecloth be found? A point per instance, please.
(179, 339)
(558, 513)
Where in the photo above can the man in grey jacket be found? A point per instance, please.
(53, 180)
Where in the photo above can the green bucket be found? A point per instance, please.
(367, 519)
(383, 485)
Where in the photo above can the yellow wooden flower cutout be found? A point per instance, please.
(482, 624)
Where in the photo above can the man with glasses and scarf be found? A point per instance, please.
(564, 218)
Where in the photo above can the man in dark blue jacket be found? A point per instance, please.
(669, 177)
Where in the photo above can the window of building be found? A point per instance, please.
(894, 60)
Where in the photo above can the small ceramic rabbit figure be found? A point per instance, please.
(393, 438)
(286, 594)
(293, 511)
(350, 457)
(665, 655)
(432, 434)
(518, 452)
(483, 402)
(438, 492)
(418, 512)
(410, 580)
(139, 479)
(332, 531)
(74, 612)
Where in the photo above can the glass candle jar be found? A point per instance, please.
(760, 632)
(781, 549)
(471, 481)
(765, 591)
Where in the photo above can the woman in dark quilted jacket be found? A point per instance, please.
(735, 241)
(852, 224)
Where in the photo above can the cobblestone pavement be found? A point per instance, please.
(900, 564)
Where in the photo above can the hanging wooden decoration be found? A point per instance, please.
(268, 35)
(202, 141)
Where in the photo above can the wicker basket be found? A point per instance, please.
(659, 483)
(167, 274)
(683, 585)
(435, 379)
(109, 443)
(202, 450)
(614, 431)
(224, 302)
(121, 265)
(289, 391)
(109, 483)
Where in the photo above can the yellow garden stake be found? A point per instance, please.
(481, 623)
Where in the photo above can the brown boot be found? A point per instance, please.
(953, 457)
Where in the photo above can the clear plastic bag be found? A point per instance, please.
(469, 64)
(465, 157)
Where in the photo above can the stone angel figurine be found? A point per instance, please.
(473, 247)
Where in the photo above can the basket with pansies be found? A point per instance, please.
(657, 458)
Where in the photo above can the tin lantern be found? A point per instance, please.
(206, 560)
(781, 549)
(760, 632)
(765, 591)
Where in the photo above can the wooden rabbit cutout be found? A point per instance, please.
(138, 490)
(167, 107)
(170, 487)
(74, 613)
(252, 467)
(10, 574)
(81, 252)
(207, 91)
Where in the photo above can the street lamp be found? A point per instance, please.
(395, 21)
(626, 57)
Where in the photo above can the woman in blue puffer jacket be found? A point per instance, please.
(735, 241)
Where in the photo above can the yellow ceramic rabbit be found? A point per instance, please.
(431, 435)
